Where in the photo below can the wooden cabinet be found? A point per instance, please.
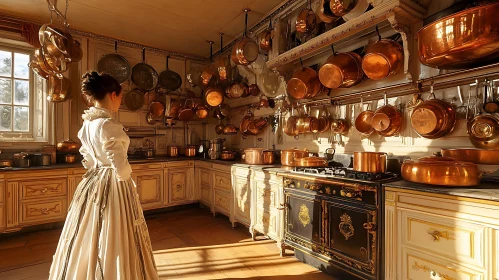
(75, 176)
(205, 182)
(222, 194)
(242, 199)
(2, 203)
(429, 236)
(177, 180)
(149, 188)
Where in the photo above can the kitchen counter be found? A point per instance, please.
(485, 191)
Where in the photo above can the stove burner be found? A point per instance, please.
(344, 172)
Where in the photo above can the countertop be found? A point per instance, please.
(485, 191)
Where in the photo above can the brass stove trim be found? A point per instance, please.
(346, 227)
(304, 215)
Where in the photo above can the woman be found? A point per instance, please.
(105, 235)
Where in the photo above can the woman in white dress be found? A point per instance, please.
(105, 235)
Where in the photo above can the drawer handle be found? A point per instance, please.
(43, 190)
(179, 187)
(44, 211)
(439, 234)
(433, 274)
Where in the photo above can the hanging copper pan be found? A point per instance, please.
(304, 83)
(214, 96)
(185, 112)
(324, 121)
(324, 13)
(222, 63)
(340, 8)
(383, 58)
(59, 89)
(157, 108)
(341, 70)
(202, 111)
(387, 120)
(306, 20)
(245, 51)
(237, 90)
(290, 125)
(265, 38)
(243, 126)
(483, 131)
(363, 122)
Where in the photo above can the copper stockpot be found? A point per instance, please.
(341, 70)
(441, 171)
(476, 156)
(483, 131)
(387, 120)
(462, 40)
(310, 162)
(257, 156)
(382, 59)
(227, 155)
(433, 118)
(214, 96)
(172, 151)
(372, 162)
(190, 151)
(268, 157)
(288, 156)
(305, 83)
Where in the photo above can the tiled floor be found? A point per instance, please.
(187, 244)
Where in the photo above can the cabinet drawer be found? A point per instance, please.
(266, 197)
(266, 222)
(205, 176)
(42, 211)
(206, 194)
(148, 166)
(179, 164)
(418, 266)
(222, 202)
(222, 181)
(39, 189)
(444, 236)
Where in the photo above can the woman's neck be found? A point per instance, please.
(102, 105)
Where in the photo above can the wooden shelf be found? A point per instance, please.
(397, 14)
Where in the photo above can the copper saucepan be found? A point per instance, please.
(483, 131)
(245, 51)
(214, 96)
(383, 58)
(477, 156)
(372, 162)
(59, 89)
(305, 83)
(310, 162)
(289, 126)
(341, 70)
(387, 120)
(288, 157)
(265, 38)
(363, 122)
(306, 20)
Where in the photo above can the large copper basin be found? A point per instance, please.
(466, 39)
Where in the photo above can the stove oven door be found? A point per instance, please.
(303, 219)
(350, 235)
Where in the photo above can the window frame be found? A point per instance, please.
(39, 109)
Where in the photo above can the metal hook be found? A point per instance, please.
(332, 48)
(301, 62)
(377, 31)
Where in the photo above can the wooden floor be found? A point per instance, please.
(187, 244)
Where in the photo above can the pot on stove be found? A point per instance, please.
(372, 162)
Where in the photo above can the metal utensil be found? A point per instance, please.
(115, 65)
(143, 75)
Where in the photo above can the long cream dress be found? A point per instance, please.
(105, 235)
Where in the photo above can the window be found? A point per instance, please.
(23, 106)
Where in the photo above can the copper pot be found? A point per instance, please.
(227, 155)
(288, 156)
(483, 131)
(341, 70)
(237, 90)
(462, 40)
(157, 108)
(245, 51)
(68, 146)
(219, 128)
(230, 129)
(305, 83)
(172, 151)
(268, 157)
(340, 8)
(441, 171)
(214, 96)
(340, 126)
(382, 59)
(202, 111)
(253, 156)
(310, 162)
(243, 127)
(59, 89)
(190, 151)
(290, 127)
(372, 162)
(433, 118)
(387, 120)
(476, 156)
(265, 39)
(363, 122)
(306, 21)
(70, 158)
(324, 123)
(185, 113)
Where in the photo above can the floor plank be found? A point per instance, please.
(187, 244)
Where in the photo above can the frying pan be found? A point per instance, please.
(168, 79)
(222, 63)
(59, 89)
(115, 65)
(144, 76)
(157, 108)
(245, 51)
(134, 100)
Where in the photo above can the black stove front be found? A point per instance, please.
(337, 221)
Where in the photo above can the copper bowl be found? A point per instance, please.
(462, 40)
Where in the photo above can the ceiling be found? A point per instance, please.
(181, 26)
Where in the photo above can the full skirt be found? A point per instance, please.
(105, 235)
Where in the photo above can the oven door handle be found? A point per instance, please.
(283, 206)
(370, 226)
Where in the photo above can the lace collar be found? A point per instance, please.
(96, 113)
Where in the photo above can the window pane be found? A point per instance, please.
(21, 69)
(5, 91)
(5, 63)
(21, 92)
(5, 118)
(21, 118)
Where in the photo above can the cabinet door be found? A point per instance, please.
(149, 186)
(242, 198)
(177, 181)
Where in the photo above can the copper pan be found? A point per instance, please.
(465, 39)
(219, 128)
(340, 8)
(185, 112)
(387, 120)
(157, 108)
(324, 13)
(324, 121)
(441, 171)
(265, 38)
(306, 20)
(243, 127)
(222, 63)
(59, 89)
(237, 90)
(305, 83)
(341, 70)
(363, 122)
(373, 162)
(202, 111)
(245, 51)
(483, 131)
(214, 95)
(383, 58)
(310, 162)
(476, 156)
(290, 125)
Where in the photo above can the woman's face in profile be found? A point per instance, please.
(116, 100)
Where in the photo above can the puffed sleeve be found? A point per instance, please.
(114, 140)
(88, 160)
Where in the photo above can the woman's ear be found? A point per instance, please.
(113, 95)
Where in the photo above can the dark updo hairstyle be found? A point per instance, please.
(97, 85)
